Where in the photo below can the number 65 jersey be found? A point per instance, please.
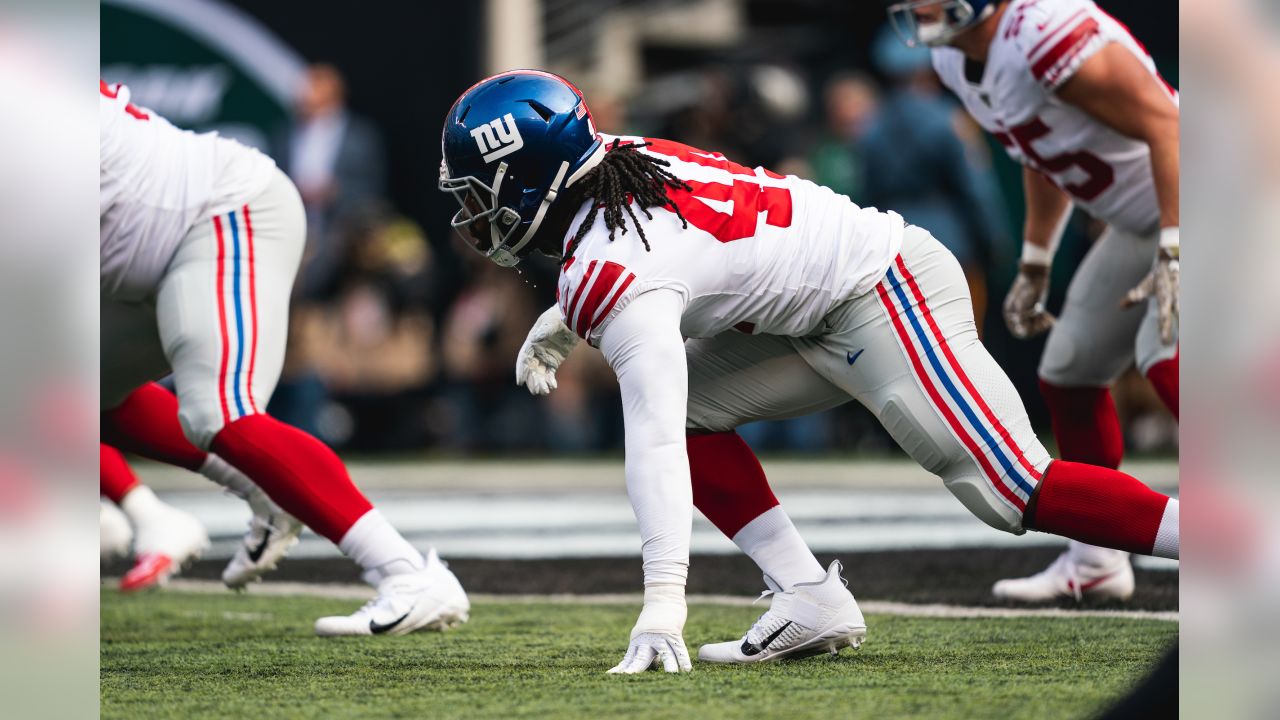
(1038, 46)
(763, 253)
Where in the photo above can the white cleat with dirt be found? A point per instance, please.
(810, 619)
(168, 541)
(272, 532)
(430, 599)
(1109, 576)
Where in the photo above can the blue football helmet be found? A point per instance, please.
(511, 143)
(937, 22)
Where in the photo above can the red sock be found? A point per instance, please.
(1097, 505)
(729, 486)
(296, 470)
(117, 477)
(1164, 378)
(146, 424)
(1085, 424)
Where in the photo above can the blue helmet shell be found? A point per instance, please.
(511, 143)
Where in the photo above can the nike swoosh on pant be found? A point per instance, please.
(853, 357)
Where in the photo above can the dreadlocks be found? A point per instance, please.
(624, 176)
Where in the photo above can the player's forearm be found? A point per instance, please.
(1165, 161)
(1048, 208)
(645, 349)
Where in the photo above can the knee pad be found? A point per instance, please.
(1070, 359)
(969, 486)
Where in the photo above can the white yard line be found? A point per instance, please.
(877, 607)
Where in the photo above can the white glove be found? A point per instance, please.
(549, 342)
(658, 636)
(1162, 283)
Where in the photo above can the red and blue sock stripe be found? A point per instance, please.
(951, 391)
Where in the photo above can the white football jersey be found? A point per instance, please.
(763, 253)
(1037, 47)
(156, 182)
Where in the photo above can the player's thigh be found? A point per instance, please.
(909, 351)
(223, 308)
(736, 378)
(1092, 342)
(130, 354)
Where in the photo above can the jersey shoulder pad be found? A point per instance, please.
(590, 291)
(1054, 37)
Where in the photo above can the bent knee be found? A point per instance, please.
(200, 424)
(967, 483)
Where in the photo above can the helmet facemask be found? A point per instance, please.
(487, 227)
(953, 17)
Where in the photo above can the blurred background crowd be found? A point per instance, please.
(402, 340)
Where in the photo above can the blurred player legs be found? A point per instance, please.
(220, 323)
(165, 538)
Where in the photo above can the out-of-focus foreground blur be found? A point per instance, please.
(1230, 57)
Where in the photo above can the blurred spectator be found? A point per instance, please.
(373, 343)
(484, 328)
(918, 165)
(336, 160)
(836, 159)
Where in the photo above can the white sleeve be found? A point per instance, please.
(644, 347)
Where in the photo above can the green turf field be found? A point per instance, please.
(221, 656)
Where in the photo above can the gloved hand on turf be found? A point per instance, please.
(658, 636)
(549, 342)
(1162, 284)
(1024, 311)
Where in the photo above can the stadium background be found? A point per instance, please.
(401, 342)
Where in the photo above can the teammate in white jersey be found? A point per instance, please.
(792, 299)
(201, 238)
(1075, 99)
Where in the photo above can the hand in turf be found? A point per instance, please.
(657, 638)
(649, 649)
(549, 342)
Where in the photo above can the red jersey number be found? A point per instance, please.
(1098, 174)
(748, 198)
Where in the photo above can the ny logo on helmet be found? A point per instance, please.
(498, 138)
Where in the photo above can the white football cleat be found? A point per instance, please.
(169, 540)
(272, 532)
(114, 533)
(430, 599)
(810, 619)
(1110, 577)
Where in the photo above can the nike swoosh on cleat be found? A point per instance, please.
(749, 649)
(853, 357)
(255, 554)
(379, 628)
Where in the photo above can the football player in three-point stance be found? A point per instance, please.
(792, 300)
(200, 241)
(1075, 99)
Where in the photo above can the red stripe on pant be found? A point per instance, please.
(146, 424)
(115, 476)
(253, 311)
(729, 486)
(1098, 506)
(975, 450)
(222, 320)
